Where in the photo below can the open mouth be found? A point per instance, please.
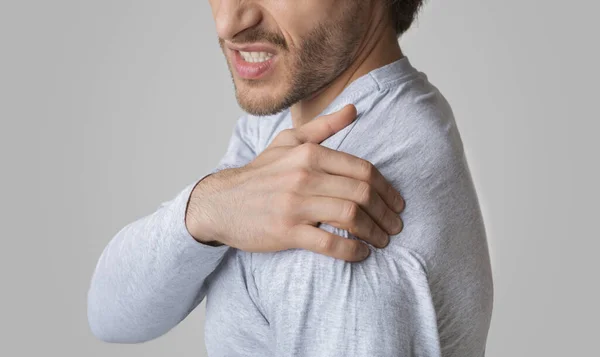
(255, 57)
(253, 65)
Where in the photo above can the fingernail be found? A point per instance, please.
(399, 204)
(365, 250)
(385, 240)
(398, 224)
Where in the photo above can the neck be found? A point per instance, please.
(380, 48)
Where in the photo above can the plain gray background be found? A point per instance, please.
(110, 107)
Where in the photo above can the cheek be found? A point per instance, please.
(295, 19)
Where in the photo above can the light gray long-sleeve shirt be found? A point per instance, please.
(428, 293)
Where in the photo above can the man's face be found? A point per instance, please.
(282, 51)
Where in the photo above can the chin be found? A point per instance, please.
(260, 105)
(261, 110)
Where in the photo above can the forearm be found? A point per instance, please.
(150, 276)
(198, 218)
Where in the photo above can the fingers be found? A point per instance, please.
(318, 129)
(343, 164)
(320, 241)
(350, 189)
(343, 214)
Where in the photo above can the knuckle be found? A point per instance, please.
(349, 212)
(325, 244)
(368, 170)
(307, 152)
(364, 192)
(299, 177)
(287, 202)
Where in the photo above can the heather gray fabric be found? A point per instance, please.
(428, 293)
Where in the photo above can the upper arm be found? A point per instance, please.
(153, 273)
(462, 292)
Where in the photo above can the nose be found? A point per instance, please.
(235, 16)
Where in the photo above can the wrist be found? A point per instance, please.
(197, 215)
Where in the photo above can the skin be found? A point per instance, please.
(275, 202)
(323, 45)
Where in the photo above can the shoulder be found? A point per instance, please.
(409, 133)
(408, 129)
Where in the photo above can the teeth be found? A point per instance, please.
(256, 57)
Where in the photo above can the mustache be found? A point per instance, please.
(256, 35)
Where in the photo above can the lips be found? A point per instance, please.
(253, 70)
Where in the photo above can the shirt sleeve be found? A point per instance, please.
(153, 273)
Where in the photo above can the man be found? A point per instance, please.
(338, 123)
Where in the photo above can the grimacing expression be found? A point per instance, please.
(306, 44)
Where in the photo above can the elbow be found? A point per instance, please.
(107, 334)
(110, 331)
(111, 325)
